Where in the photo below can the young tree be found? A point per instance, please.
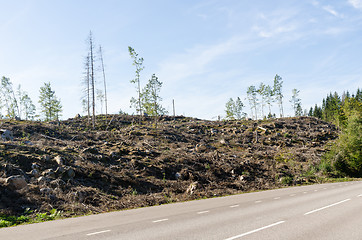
(9, 98)
(239, 109)
(104, 79)
(277, 92)
(253, 100)
(296, 103)
(269, 98)
(230, 109)
(234, 109)
(26, 106)
(137, 62)
(100, 98)
(263, 97)
(50, 105)
(150, 98)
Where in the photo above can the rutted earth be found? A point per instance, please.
(124, 164)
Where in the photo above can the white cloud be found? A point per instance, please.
(330, 10)
(195, 61)
(274, 24)
(356, 3)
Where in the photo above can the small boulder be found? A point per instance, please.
(45, 190)
(71, 173)
(193, 186)
(42, 180)
(34, 172)
(177, 176)
(49, 173)
(59, 160)
(6, 135)
(16, 182)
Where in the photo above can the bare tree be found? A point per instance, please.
(86, 83)
(92, 79)
(104, 78)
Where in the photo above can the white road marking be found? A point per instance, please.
(259, 201)
(305, 192)
(233, 206)
(359, 195)
(254, 231)
(276, 198)
(203, 212)
(160, 220)
(292, 195)
(95, 233)
(331, 205)
(325, 188)
(316, 190)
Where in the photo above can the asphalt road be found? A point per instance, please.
(326, 211)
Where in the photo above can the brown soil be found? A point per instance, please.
(123, 164)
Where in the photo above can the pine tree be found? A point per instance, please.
(263, 97)
(277, 92)
(268, 98)
(50, 105)
(137, 62)
(253, 100)
(150, 98)
(9, 98)
(230, 109)
(296, 103)
(239, 114)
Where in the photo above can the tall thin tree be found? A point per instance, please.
(137, 62)
(104, 78)
(92, 78)
(277, 90)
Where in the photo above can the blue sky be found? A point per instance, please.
(204, 52)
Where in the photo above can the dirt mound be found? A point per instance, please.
(125, 164)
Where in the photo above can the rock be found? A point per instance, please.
(91, 150)
(200, 147)
(57, 183)
(60, 170)
(213, 131)
(49, 173)
(45, 190)
(59, 160)
(16, 182)
(34, 166)
(46, 158)
(6, 135)
(177, 176)
(43, 180)
(193, 186)
(34, 172)
(70, 173)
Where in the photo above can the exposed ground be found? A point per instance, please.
(122, 164)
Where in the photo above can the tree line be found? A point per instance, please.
(16, 103)
(344, 157)
(262, 97)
